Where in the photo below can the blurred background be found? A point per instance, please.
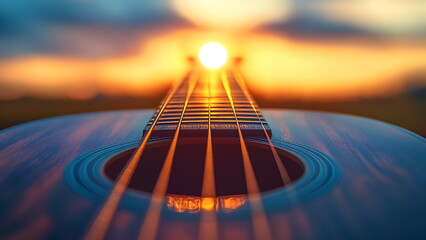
(361, 57)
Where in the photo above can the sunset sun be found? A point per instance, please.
(213, 55)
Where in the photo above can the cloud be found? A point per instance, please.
(108, 28)
(388, 17)
(233, 15)
(40, 26)
(310, 25)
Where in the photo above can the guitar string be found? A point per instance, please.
(260, 223)
(281, 168)
(103, 219)
(97, 234)
(152, 218)
(208, 222)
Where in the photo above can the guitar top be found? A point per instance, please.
(245, 174)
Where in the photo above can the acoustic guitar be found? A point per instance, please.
(208, 164)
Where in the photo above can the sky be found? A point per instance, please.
(302, 48)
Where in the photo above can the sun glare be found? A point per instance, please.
(213, 55)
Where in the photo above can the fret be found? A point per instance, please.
(196, 115)
(219, 120)
(205, 120)
(185, 117)
(215, 111)
(227, 119)
(172, 110)
(216, 116)
(215, 126)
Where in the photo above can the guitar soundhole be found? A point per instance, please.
(186, 176)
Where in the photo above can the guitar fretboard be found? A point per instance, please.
(209, 100)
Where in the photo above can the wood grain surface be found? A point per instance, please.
(380, 194)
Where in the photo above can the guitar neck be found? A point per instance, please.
(202, 99)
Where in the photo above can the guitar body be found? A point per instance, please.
(367, 181)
